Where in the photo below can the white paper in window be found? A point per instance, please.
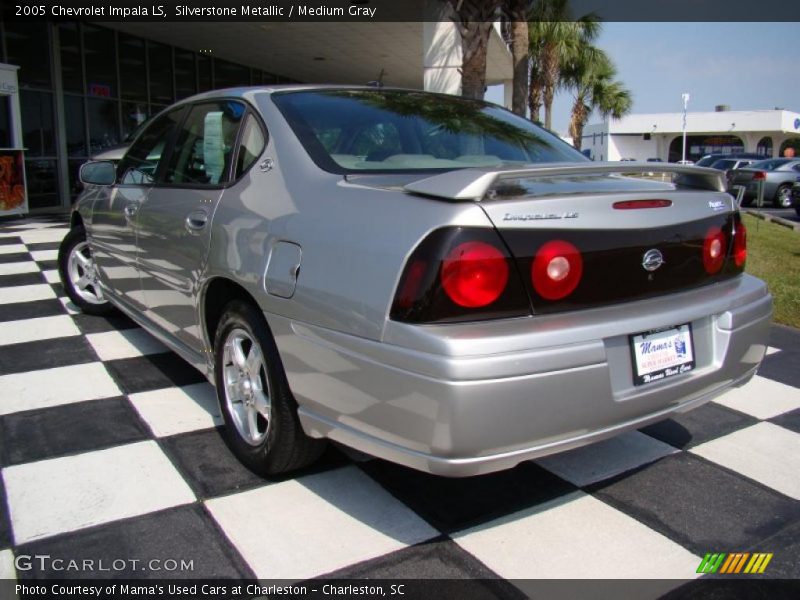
(213, 146)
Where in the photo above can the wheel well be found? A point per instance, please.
(75, 220)
(218, 294)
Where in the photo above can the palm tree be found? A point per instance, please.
(474, 20)
(591, 74)
(554, 40)
(517, 13)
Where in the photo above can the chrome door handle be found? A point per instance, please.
(197, 220)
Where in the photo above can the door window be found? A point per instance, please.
(142, 159)
(205, 143)
(251, 146)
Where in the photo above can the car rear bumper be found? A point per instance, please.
(467, 399)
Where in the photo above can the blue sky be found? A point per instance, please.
(744, 65)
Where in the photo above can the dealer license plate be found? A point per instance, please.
(661, 354)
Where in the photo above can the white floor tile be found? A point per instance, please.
(316, 524)
(39, 255)
(576, 537)
(112, 345)
(605, 459)
(771, 350)
(40, 236)
(53, 387)
(16, 268)
(768, 453)
(26, 293)
(7, 570)
(51, 276)
(65, 494)
(43, 328)
(71, 308)
(12, 248)
(177, 410)
(762, 398)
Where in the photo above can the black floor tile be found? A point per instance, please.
(698, 504)
(789, 420)
(452, 504)
(785, 548)
(47, 265)
(113, 322)
(39, 246)
(698, 426)
(5, 521)
(21, 279)
(186, 533)
(152, 372)
(15, 257)
(32, 310)
(9, 241)
(207, 464)
(783, 366)
(69, 429)
(58, 289)
(46, 354)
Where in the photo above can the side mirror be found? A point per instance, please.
(98, 172)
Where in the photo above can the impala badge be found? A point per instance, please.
(652, 259)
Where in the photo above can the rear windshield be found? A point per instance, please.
(770, 164)
(356, 131)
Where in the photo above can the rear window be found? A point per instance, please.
(769, 164)
(354, 131)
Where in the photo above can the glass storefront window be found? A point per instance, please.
(103, 124)
(228, 74)
(75, 125)
(71, 67)
(203, 73)
(160, 60)
(185, 80)
(27, 46)
(132, 67)
(133, 115)
(75, 185)
(38, 133)
(101, 64)
(42, 183)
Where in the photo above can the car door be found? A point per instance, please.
(174, 220)
(114, 214)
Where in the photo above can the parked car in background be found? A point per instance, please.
(776, 175)
(428, 279)
(796, 196)
(708, 159)
(726, 164)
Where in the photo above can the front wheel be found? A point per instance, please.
(261, 423)
(783, 197)
(78, 273)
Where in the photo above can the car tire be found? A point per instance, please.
(783, 197)
(260, 414)
(78, 274)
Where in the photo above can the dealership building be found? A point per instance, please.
(83, 87)
(767, 133)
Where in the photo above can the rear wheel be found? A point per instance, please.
(783, 197)
(261, 423)
(78, 274)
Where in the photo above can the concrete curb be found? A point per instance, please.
(771, 219)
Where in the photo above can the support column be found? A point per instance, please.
(441, 57)
(508, 93)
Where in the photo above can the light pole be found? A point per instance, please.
(685, 97)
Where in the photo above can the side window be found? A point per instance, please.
(251, 146)
(204, 146)
(138, 166)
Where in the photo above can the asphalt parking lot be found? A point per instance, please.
(109, 449)
(784, 213)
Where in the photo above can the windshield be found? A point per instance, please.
(356, 131)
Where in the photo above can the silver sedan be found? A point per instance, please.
(427, 279)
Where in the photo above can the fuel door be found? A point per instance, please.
(282, 269)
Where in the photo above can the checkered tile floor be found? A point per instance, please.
(109, 448)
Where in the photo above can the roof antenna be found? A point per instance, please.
(378, 83)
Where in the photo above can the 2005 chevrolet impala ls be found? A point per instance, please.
(429, 280)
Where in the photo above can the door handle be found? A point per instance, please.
(131, 209)
(197, 220)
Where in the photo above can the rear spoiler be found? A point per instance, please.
(473, 184)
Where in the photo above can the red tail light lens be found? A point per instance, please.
(556, 270)
(740, 245)
(759, 175)
(714, 249)
(474, 274)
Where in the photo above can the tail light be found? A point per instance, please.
(758, 175)
(556, 270)
(714, 248)
(460, 274)
(740, 244)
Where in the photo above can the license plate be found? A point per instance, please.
(658, 355)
